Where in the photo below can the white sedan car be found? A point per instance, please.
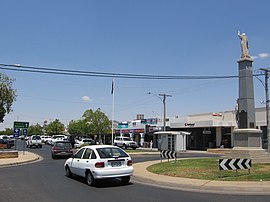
(100, 162)
(85, 141)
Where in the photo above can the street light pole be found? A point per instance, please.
(266, 71)
(164, 106)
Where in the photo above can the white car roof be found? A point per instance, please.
(99, 146)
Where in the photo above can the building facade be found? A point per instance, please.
(208, 130)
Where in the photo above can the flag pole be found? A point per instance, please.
(112, 92)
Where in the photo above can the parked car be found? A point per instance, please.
(61, 149)
(84, 141)
(34, 141)
(55, 138)
(96, 162)
(125, 142)
(6, 141)
(21, 137)
(45, 139)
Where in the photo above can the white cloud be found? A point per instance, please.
(264, 55)
(255, 57)
(261, 56)
(86, 98)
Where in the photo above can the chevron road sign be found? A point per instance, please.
(234, 164)
(168, 154)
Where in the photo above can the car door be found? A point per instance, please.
(76, 162)
(88, 161)
(119, 142)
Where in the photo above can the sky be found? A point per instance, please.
(149, 37)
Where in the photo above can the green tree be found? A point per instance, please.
(97, 122)
(35, 130)
(77, 127)
(7, 96)
(7, 131)
(55, 128)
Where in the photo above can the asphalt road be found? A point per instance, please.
(45, 181)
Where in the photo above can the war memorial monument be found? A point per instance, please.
(247, 141)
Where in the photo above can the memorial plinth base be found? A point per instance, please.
(248, 137)
(247, 144)
(257, 155)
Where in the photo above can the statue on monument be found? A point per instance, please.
(244, 45)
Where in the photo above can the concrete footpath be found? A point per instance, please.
(141, 175)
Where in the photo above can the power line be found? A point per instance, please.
(57, 71)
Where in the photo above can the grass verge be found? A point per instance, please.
(208, 169)
(130, 151)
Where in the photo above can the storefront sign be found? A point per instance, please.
(190, 124)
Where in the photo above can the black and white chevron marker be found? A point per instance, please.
(168, 154)
(234, 164)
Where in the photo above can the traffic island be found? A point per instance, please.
(8, 154)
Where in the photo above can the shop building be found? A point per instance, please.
(208, 130)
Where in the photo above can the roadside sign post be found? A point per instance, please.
(16, 131)
(24, 133)
(16, 134)
(234, 164)
(20, 124)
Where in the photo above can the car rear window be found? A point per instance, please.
(36, 138)
(111, 152)
(63, 144)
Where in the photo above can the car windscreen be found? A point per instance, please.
(110, 152)
(36, 138)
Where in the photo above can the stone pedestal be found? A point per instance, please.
(248, 137)
(248, 144)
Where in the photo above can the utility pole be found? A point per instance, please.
(112, 92)
(266, 71)
(164, 106)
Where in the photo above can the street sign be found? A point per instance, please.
(19, 124)
(234, 164)
(24, 132)
(168, 154)
(16, 132)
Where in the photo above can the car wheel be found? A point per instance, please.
(68, 172)
(134, 148)
(90, 179)
(125, 180)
